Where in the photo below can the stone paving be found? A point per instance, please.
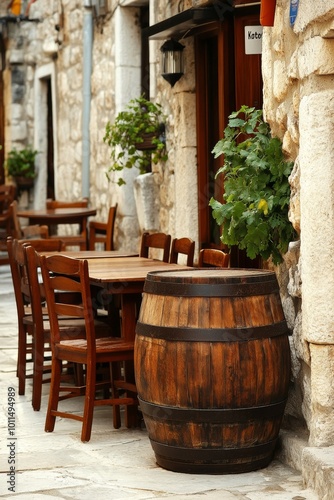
(115, 464)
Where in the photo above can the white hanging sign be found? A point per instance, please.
(253, 39)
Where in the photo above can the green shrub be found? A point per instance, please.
(254, 215)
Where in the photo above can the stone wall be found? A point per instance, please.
(178, 177)
(54, 46)
(298, 100)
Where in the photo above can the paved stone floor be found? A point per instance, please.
(115, 464)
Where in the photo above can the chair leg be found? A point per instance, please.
(38, 350)
(131, 411)
(79, 374)
(22, 359)
(115, 373)
(89, 402)
(53, 395)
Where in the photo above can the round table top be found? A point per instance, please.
(63, 214)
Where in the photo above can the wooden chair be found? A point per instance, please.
(212, 257)
(160, 241)
(6, 230)
(61, 273)
(70, 326)
(52, 204)
(28, 326)
(103, 232)
(15, 230)
(33, 231)
(184, 246)
(7, 196)
(80, 239)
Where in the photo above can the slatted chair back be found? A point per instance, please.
(160, 241)
(53, 204)
(182, 246)
(212, 257)
(103, 232)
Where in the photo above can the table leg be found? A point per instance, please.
(129, 318)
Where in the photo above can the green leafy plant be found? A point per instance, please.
(256, 188)
(142, 119)
(21, 163)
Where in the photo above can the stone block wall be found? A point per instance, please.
(56, 42)
(298, 100)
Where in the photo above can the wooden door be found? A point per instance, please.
(2, 112)
(226, 78)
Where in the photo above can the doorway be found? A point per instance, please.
(226, 78)
(2, 112)
(50, 182)
(45, 134)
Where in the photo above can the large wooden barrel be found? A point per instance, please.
(212, 367)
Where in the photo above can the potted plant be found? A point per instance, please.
(254, 215)
(21, 166)
(137, 137)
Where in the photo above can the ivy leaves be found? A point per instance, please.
(254, 215)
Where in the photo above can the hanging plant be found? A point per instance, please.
(137, 137)
(254, 215)
(21, 163)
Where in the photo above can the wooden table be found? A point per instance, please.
(93, 254)
(54, 216)
(58, 215)
(125, 276)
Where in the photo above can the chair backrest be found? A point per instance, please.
(19, 276)
(36, 286)
(18, 266)
(52, 204)
(212, 257)
(33, 257)
(103, 232)
(111, 227)
(156, 240)
(35, 232)
(7, 227)
(63, 275)
(184, 246)
(15, 230)
(44, 244)
(15, 221)
(7, 196)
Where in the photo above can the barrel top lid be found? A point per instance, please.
(213, 273)
(213, 282)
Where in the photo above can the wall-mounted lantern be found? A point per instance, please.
(172, 61)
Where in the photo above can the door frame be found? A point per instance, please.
(229, 34)
(225, 87)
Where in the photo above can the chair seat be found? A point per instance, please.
(103, 346)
